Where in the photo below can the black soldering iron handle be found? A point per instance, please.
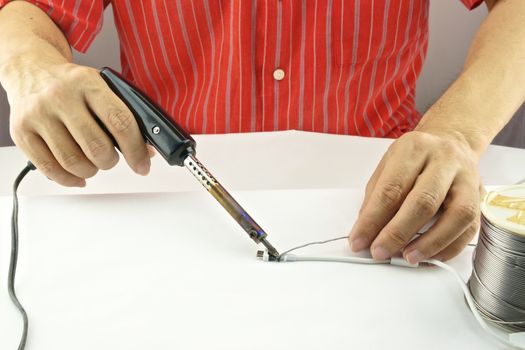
(171, 141)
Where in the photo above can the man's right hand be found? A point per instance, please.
(55, 103)
(53, 113)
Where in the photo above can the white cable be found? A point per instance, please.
(347, 259)
(514, 340)
(397, 261)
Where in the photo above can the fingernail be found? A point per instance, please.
(81, 183)
(414, 257)
(380, 253)
(438, 257)
(143, 168)
(357, 244)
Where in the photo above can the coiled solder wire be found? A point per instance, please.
(497, 282)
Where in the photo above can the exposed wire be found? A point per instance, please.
(337, 239)
(14, 255)
(313, 243)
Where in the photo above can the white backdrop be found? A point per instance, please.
(452, 28)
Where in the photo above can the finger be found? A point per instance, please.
(94, 142)
(40, 155)
(459, 244)
(482, 190)
(392, 186)
(151, 151)
(368, 190)
(420, 205)
(122, 125)
(461, 212)
(372, 182)
(66, 151)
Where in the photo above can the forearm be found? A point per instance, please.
(28, 37)
(492, 85)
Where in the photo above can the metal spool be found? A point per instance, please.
(497, 282)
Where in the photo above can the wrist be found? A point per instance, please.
(472, 137)
(21, 71)
(28, 33)
(464, 114)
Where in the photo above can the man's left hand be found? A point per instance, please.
(420, 173)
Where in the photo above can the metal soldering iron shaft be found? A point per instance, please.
(270, 248)
(228, 202)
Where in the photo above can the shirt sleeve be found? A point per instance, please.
(79, 20)
(470, 4)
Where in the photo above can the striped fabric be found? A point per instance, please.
(220, 66)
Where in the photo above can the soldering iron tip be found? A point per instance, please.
(271, 250)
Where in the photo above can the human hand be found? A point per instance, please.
(420, 173)
(54, 106)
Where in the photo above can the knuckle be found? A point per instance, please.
(18, 124)
(436, 245)
(470, 234)
(119, 120)
(48, 167)
(391, 193)
(466, 212)
(71, 166)
(81, 73)
(33, 115)
(20, 133)
(417, 138)
(16, 135)
(448, 147)
(368, 225)
(53, 92)
(70, 160)
(54, 99)
(22, 121)
(397, 238)
(427, 203)
(103, 153)
(78, 165)
(97, 147)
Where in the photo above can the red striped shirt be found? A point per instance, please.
(336, 66)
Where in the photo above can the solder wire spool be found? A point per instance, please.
(497, 282)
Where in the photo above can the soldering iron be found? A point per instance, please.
(178, 148)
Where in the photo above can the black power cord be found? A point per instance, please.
(14, 254)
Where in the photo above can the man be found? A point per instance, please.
(338, 66)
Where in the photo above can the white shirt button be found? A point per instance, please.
(278, 74)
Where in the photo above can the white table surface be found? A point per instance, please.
(159, 270)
